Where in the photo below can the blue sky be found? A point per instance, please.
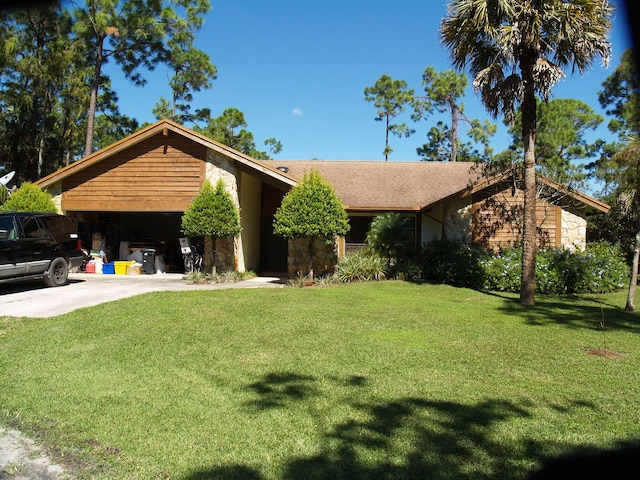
(298, 70)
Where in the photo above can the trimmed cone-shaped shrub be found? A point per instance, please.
(211, 215)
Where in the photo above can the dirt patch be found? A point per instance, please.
(22, 459)
(603, 352)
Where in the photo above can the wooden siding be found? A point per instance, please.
(497, 220)
(161, 174)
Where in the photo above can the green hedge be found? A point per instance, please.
(600, 268)
(453, 263)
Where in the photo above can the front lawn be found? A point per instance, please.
(377, 380)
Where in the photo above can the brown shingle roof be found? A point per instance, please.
(376, 185)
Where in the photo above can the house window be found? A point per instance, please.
(357, 234)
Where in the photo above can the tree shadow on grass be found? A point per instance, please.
(276, 390)
(571, 311)
(404, 438)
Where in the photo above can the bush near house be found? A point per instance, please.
(361, 265)
(453, 263)
(29, 198)
(211, 215)
(4, 194)
(311, 210)
(600, 268)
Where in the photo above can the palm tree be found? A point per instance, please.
(629, 205)
(515, 50)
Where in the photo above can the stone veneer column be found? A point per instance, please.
(229, 252)
(574, 231)
(325, 257)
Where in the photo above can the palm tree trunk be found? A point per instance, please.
(529, 240)
(633, 281)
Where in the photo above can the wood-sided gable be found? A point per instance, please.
(161, 173)
(498, 217)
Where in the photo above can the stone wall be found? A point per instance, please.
(225, 255)
(55, 191)
(458, 220)
(228, 250)
(574, 231)
(221, 167)
(325, 257)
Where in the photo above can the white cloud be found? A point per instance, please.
(297, 112)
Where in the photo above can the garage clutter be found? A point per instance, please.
(132, 262)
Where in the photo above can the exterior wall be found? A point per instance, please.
(159, 174)
(221, 167)
(431, 226)
(458, 220)
(226, 255)
(250, 207)
(55, 191)
(497, 222)
(574, 231)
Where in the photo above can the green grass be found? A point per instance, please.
(378, 380)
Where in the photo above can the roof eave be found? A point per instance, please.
(592, 205)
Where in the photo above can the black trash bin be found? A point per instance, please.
(148, 260)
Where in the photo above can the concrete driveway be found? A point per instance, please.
(34, 299)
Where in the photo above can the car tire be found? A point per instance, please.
(58, 273)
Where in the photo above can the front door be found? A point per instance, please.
(274, 249)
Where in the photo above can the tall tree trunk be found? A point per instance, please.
(209, 254)
(529, 240)
(310, 254)
(93, 99)
(386, 140)
(453, 135)
(41, 151)
(633, 281)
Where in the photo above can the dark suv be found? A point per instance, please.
(38, 245)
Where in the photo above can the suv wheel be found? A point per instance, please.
(58, 273)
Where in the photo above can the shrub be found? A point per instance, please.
(4, 194)
(552, 267)
(502, 271)
(598, 269)
(409, 268)
(311, 210)
(391, 236)
(29, 198)
(453, 263)
(212, 214)
(361, 266)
